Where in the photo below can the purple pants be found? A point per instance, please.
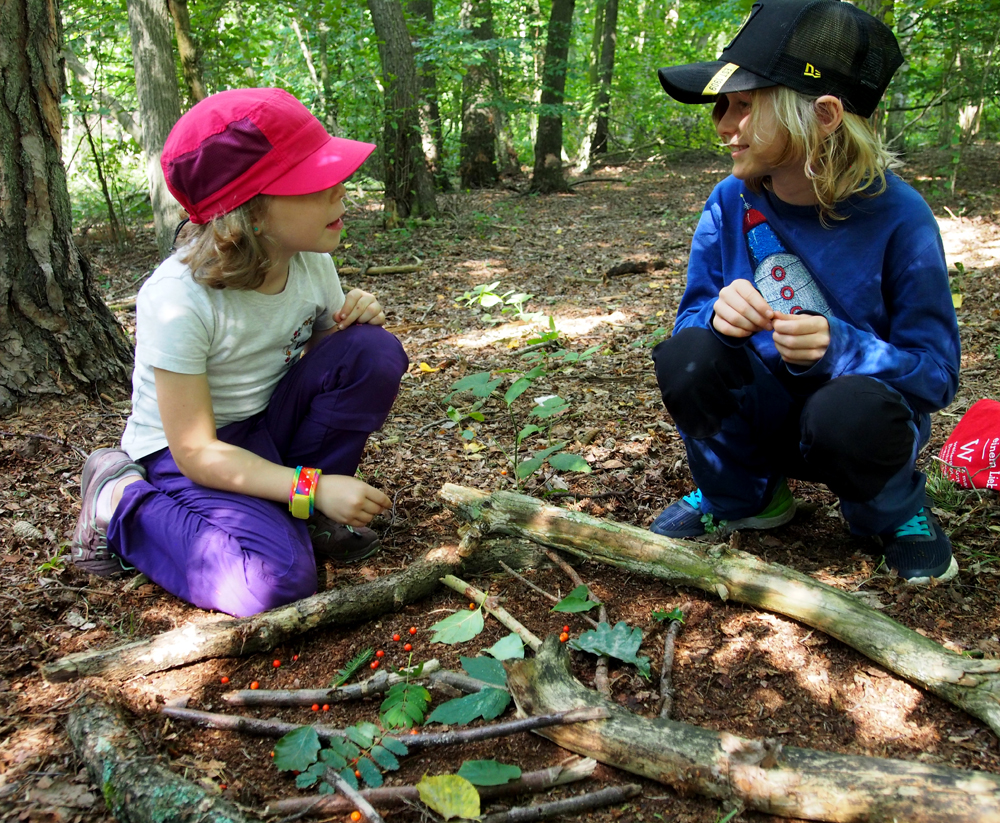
(243, 555)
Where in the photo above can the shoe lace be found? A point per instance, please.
(693, 499)
(916, 526)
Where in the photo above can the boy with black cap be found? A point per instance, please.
(816, 334)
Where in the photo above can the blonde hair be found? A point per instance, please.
(850, 160)
(226, 252)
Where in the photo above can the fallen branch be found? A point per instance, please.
(570, 770)
(762, 774)
(542, 592)
(380, 269)
(137, 788)
(635, 267)
(413, 742)
(572, 805)
(667, 668)
(972, 685)
(367, 811)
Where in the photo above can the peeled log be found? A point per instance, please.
(763, 775)
(972, 685)
(136, 788)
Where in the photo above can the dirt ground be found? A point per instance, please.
(737, 669)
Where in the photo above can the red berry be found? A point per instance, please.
(408, 647)
(222, 787)
(565, 628)
(503, 471)
(276, 664)
(315, 707)
(374, 664)
(223, 680)
(380, 653)
(255, 685)
(295, 657)
(396, 637)
(414, 731)
(326, 707)
(413, 629)
(272, 753)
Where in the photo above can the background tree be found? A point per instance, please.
(187, 50)
(55, 333)
(420, 22)
(606, 72)
(478, 158)
(409, 189)
(548, 171)
(159, 105)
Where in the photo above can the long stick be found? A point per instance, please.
(572, 805)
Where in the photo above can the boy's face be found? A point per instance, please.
(749, 129)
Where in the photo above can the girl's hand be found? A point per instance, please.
(359, 307)
(349, 500)
(801, 339)
(741, 310)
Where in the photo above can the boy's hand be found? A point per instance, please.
(741, 310)
(359, 307)
(801, 339)
(349, 500)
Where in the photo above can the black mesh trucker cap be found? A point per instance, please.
(815, 47)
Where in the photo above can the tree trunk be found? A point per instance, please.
(761, 774)
(56, 334)
(135, 787)
(409, 189)
(420, 19)
(547, 176)
(159, 105)
(607, 71)
(971, 685)
(478, 161)
(188, 50)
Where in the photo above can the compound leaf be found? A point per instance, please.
(297, 750)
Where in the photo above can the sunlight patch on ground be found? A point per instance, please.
(569, 326)
(971, 242)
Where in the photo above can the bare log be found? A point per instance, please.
(235, 637)
(971, 685)
(762, 774)
(136, 787)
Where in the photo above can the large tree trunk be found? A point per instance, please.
(159, 105)
(606, 75)
(478, 161)
(55, 332)
(409, 189)
(761, 774)
(972, 685)
(188, 50)
(548, 171)
(420, 19)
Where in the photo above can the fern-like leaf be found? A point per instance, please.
(348, 671)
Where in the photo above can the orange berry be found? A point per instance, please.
(223, 680)
(396, 637)
(413, 629)
(472, 606)
(272, 752)
(326, 707)
(222, 787)
(357, 773)
(408, 647)
(503, 471)
(255, 685)
(276, 663)
(355, 816)
(315, 707)
(414, 731)
(563, 637)
(380, 653)
(374, 664)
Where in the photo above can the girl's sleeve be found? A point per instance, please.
(704, 275)
(173, 328)
(331, 289)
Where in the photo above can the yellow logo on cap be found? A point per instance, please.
(811, 71)
(721, 76)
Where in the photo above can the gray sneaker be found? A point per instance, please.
(90, 538)
(339, 543)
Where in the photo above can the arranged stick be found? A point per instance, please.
(542, 592)
(667, 669)
(972, 685)
(764, 775)
(379, 684)
(489, 604)
(380, 269)
(413, 742)
(352, 794)
(572, 769)
(573, 805)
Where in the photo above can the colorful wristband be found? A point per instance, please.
(302, 499)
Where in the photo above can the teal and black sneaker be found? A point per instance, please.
(920, 550)
(685, 517)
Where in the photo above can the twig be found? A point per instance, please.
(57, 440)
(572, 805)
(490, 605)
(380, 269)
(570, 770)
(667, 669)
(352, 794)
(306, 697)
(413, 742)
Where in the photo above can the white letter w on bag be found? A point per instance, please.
(965, 452)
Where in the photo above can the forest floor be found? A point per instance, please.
(737, 669)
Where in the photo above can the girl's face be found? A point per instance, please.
(748, 127)
(305, 222)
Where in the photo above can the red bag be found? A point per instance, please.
(971, 457)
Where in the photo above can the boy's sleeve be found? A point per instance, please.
(920, 356)
(704, 275)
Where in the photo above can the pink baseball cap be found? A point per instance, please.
(237, 144)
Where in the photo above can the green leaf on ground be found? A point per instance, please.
(450, 796)
(507, 648)
(576, 601)
(566, 462)
(487, 704)
(488, 772)
(405, 705)
(459, 627)
(486, 669)
(622, 642)
(297, 750)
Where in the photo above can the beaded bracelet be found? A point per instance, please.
(302, 498)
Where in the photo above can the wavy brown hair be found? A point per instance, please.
(225, 253)
(850, 160)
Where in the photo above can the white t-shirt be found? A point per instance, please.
(243, 340)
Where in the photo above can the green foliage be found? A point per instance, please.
(577, 600)
(486, 296)
(488, 772)
(488, 704)
(405, 705)
(673, 614)
(487, 669)
(450, 796)
(459, 627)
(713, 526)
(351, 668)
(621, 642)
(507, 648)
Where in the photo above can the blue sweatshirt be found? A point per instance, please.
(879, 277)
